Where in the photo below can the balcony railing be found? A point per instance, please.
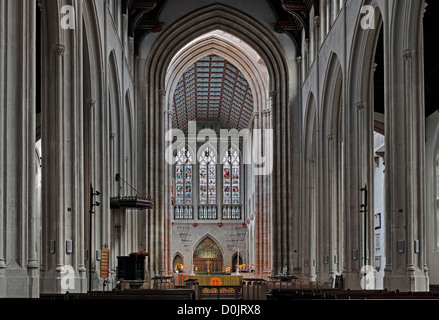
(231, 212)
(183, 212)
(207, 212)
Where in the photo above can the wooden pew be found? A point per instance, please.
(328, 293)
(133, 294)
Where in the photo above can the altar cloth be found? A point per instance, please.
(217, 280)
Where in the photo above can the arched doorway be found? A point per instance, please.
(235, 261)
(208, 256)
(178, 262)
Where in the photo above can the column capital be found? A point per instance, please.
(425, 8)
(162, 93)
(307, 40)
(408, 54)
(360, 105)
(316, 21)
(59, 49)
(91, 103)
(375, 65)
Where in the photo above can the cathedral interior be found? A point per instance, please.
(216, 145)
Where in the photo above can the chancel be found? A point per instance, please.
(264, 149)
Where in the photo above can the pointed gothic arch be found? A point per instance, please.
(330, 219)
(173, 39)
(208, 255)
(358, 130)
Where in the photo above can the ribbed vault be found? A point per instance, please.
(216, 77)
(213, 89)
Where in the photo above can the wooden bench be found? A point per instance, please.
(132, 294)
(312, 294)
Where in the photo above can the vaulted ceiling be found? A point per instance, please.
(292, 16)
(213, 89)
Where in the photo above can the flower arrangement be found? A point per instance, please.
(180, 268)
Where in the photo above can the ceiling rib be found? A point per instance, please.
(221, 93)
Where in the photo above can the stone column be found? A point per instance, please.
(306, 58)
(316, 35)
(154, 175)
(168, 173)
(328, 16)
(325, 205)
(19, 267)
(297, 172)
(323, 24)
(62, 142)
(280, 236)
(406, 267)
(260, 214)
(353, 182)
(264, 223)
(332, 257)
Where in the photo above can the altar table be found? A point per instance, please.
(217, 280)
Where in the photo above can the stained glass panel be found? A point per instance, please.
(188, 184)
(179, 183)
(226, 183)
(203, 184)
(212, 183)
(207, 177)
(183, 177)
(231, 179)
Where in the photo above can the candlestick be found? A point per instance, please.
(192, 262)
(237, 264)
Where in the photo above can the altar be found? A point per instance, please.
(217, 280)
(217, 286)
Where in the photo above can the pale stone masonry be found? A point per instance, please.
(99, 100)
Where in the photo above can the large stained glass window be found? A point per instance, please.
(231, 178)
(183, 177)
(207, 177)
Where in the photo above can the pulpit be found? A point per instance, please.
(131, 267)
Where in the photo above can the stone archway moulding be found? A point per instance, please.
(256, 75)
(155, 118)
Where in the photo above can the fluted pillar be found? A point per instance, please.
(19, 267)
(356, 162)
(62, 142)
(259, 210)
(406, 267)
